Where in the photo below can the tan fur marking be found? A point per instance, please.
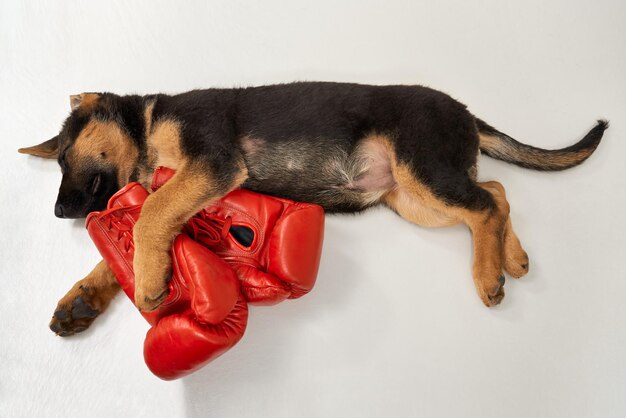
(164, 145)
(109, 138)
(416, 204)
(559, 159)
(408, 205)
(416, 210)
(147, 117)
(240, 177)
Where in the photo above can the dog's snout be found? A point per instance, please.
(58, 210)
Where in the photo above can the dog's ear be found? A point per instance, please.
(83, 99)
(75, 100)
(47, 149)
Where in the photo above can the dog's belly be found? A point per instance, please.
(323, 172)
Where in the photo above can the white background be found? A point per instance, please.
(393, 327)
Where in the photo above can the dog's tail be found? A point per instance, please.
(502, 147)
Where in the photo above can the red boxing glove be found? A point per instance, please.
(273, 244)
(204, 314)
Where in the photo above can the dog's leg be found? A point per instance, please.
(453, 198)
(163, 215)
(87, 299)
(415, 210)
(515, 258)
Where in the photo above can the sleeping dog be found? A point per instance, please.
(346, 147)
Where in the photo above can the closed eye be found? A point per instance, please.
(95, 183)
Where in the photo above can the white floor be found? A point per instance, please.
(393, 327)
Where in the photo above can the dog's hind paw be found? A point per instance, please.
(491, 292)
(516, 264)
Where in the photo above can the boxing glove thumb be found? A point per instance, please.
(214, 322)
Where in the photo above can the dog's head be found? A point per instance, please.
(97, 149)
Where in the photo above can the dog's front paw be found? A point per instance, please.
(491, 291)
(75, 312)
(152, 274)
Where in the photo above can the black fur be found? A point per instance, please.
(433, 133)
(305, 137)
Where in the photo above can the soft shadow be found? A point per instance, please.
(78, 223)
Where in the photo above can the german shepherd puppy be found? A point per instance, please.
(346, 147)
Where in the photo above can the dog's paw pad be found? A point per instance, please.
(68, 320)
(61, 314)
(82, 310)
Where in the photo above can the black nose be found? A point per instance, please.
(58, 210)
